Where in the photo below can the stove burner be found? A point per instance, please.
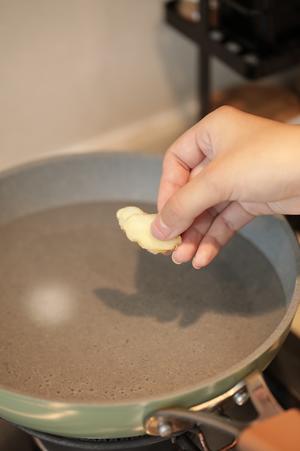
(184, 442)
(49, 442)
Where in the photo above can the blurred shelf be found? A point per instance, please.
(227, 48)
(191, 30)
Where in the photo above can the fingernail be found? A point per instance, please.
(196, 265)
(160, 230)
(202, 259)
(175, 261)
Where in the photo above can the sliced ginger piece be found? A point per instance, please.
(137, 226)
(124, 213)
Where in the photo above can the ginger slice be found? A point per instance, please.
(124, 213)
(137, 226)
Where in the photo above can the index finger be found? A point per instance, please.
(185, 154)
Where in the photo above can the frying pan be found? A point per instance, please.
(97, 334)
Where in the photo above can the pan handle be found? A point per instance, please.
(261, 396)
(169, 422)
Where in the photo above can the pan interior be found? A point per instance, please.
(88, 316)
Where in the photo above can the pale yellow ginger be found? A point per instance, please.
(124, 213)
(137, 226)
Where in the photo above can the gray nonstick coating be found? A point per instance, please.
(88, 316)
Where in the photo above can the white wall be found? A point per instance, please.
(73, 69)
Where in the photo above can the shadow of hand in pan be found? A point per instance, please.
(241, 282)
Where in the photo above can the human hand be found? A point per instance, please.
(219, 175)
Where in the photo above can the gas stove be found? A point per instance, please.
(13, 439)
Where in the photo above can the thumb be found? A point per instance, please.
(202, 192)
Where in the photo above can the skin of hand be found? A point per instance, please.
(219, 175)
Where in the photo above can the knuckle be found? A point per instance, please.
(225, 111)
(228, 224)
(166, 161)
